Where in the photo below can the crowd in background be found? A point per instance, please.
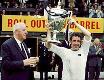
(81, 8)
(31, 7)
(89, 8)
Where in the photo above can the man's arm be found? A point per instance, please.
(52, 46)
(13, 65)
(83, 30)
(48, 43)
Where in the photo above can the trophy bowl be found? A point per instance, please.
(56, 20)
(56, 26)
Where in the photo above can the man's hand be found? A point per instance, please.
(48, 26)
(84, 31)
(71, 20)
(98, 51)
(48, 44)
(31, 61)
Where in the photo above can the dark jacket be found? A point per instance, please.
(65, 44)
(44, 58)
(12, 62)
(93, 58)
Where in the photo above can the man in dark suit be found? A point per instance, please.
(44, 58)
(16, 60)
(95, 60)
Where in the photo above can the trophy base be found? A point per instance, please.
(54, 41)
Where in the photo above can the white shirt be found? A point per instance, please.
(74, 62)
(19, 44)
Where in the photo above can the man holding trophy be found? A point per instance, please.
(74, 59)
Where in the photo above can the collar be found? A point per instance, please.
(74, 50)
(18, 41)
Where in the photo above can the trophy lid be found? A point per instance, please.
(58, 11)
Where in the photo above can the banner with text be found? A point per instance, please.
(33, 23)
(94, 25)
(37, 24)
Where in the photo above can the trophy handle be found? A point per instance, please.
(48, 34)
(53, 40)
(54, 34)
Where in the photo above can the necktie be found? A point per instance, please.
(24, 50)
(43, 43)
(97, 47)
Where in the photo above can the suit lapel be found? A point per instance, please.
(94, 48)
(18, 48)
(26, 49)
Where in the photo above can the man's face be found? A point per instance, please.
(22, 33)
(75, 43)
(43, 39)
(97, 42)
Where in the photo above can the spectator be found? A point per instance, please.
(16, 5)
(95, 60)
(28, 13)
(23, 1)
(99, 12)
(75, 11)
(21, 13)
(95, 11)
(31, 5)
(22, 5)
(0, 5)
(85, 10)
(8, 5)
(92, 11)
(3, 12)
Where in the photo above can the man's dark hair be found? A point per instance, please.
(76, 34)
